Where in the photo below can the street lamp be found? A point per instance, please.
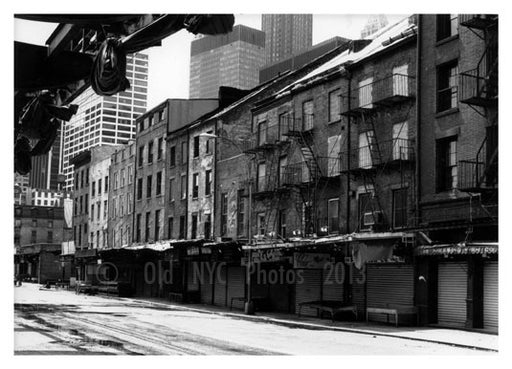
(249, 305)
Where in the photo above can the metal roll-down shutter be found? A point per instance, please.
(307, 288)
(491, 295)
(389, 284)
(452, 294)
(220, 286)
(236, 285)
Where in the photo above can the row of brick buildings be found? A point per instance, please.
(375, 163)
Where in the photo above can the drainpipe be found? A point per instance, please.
(418, 120)
(347, 288)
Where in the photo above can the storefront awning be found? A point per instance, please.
(461, 248)
(157, 246)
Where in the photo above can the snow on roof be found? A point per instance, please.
(386, 34)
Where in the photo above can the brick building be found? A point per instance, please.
(38, 234)
(457, 176)
(120, 220)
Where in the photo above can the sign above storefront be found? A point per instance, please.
(311, 260)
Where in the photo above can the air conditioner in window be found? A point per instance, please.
(372, 218)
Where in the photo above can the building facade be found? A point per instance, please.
(121, 198)
(458, 173)
(230, 60)
(286, 34)
(38, 234)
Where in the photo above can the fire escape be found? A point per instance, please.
(266, 145)
(375, 154)
(479, 89)
(303, 177)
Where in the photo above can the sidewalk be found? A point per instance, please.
(453, 337)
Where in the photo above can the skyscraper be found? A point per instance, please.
(233, 60)
(286, 34)
(375, 23)
(106, 120)
(47, 168)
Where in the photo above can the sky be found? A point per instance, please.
(169, 63)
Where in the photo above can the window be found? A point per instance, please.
(333, 155)
(34, 223)
(159, 183)
(261, 224)
(209, 144)
(240, 215)
(283, 161)
(208, 226)
(332, 214)
(171, 189)
(366, 145)
(307, 115)
(400, 208)
(183, 153)
(170, 227)
(81, 204)
(172, 156)
(150, 152)
(365, 92)
(141, 126)
(160, 148)
(87, 177)
(137, 225)
(149, 184)
(139, 188)
(224, 214)
(193, 234)
(196, 146)
(285, 122)
(334, 105)
(130, 174)
(447, 86)
(364, 206)
(148, 216)
(92, 212)
(161, 115)
(157, 224)
(81, 179)
(105, 209)
(123, 179)
(182, 227)
(195, 185)
(116, 180)
(33, 237)
(447, 176)
(281, 227)
(93, 189)
(86, 205)
(106, 184)
(261, 177)
(208, 183)
(447, 26)
(98, 214)
(401, 147)
(262, 133)
(183, 187)
(141, 155)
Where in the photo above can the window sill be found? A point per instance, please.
(334, 121)
(447, 40)
(447, 112)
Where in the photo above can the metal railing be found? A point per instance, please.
(479, 21)
(370, 156)
(388, 90)
(299, 173)
(290, 126)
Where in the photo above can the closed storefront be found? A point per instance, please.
(220, 285)
(207, 278)
(308, 287)
(193, 276)
(491, 295)
(452, 294)
(333, 278)
(389, 284)
(236, 285)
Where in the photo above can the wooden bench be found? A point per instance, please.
(393, 309)
(85, 287)
(258, 301)
(333, 307)
(175, 297)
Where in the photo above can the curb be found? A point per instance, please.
(306, 325)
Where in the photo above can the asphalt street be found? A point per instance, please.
(57, 322)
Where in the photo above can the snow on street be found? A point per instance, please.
(61, 322)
